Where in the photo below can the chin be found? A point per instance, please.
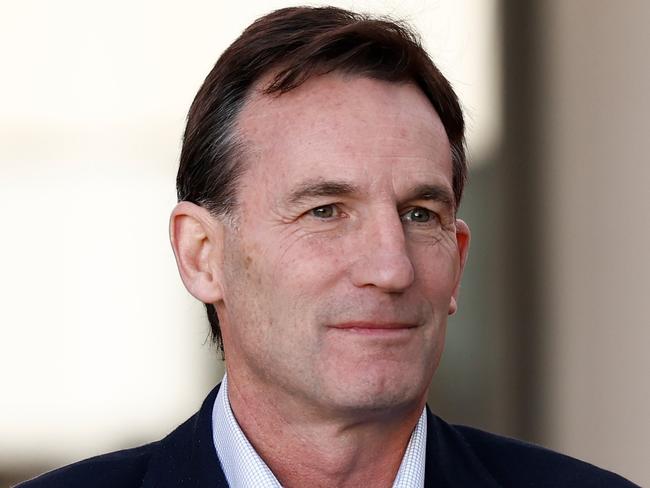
(380, 392)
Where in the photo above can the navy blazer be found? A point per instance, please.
(456, 456)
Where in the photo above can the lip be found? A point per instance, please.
(374, 327)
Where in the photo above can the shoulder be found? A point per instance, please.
(185, 457)
(515, 463)
(125, 469)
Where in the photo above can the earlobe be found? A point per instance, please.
(453, 306)
(463, 237)
(197, 240)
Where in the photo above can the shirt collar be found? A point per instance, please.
(244, 468)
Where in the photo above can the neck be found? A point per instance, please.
(305, 448)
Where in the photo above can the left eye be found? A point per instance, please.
(418, 214)
(324, 211)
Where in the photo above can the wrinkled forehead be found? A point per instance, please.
(346, 114)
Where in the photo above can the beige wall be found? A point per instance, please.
(595, 145)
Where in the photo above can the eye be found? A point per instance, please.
(419, 215)
(324, 211)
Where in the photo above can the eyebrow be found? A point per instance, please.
(320, 188)
(435, 193)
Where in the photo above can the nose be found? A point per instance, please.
(382, 256)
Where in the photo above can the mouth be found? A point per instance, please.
(375, 328)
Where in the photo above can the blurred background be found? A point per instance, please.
(101, 348)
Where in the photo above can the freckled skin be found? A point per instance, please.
(289, 275)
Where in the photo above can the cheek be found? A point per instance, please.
(305, 262)
(279, 282)
(246, 291)
(436, 269)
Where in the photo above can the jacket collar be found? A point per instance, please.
(187, 457)
(451, 462)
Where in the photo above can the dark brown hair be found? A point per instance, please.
(298, 43)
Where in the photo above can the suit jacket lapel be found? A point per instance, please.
(187, 457)
(450, 460)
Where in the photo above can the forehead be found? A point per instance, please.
(345, 126)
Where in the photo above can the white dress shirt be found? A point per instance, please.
(244, 468)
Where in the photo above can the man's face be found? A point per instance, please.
(341, 269)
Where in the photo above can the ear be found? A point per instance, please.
(462, 242)
(197, 239)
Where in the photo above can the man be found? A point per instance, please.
(322, 167)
